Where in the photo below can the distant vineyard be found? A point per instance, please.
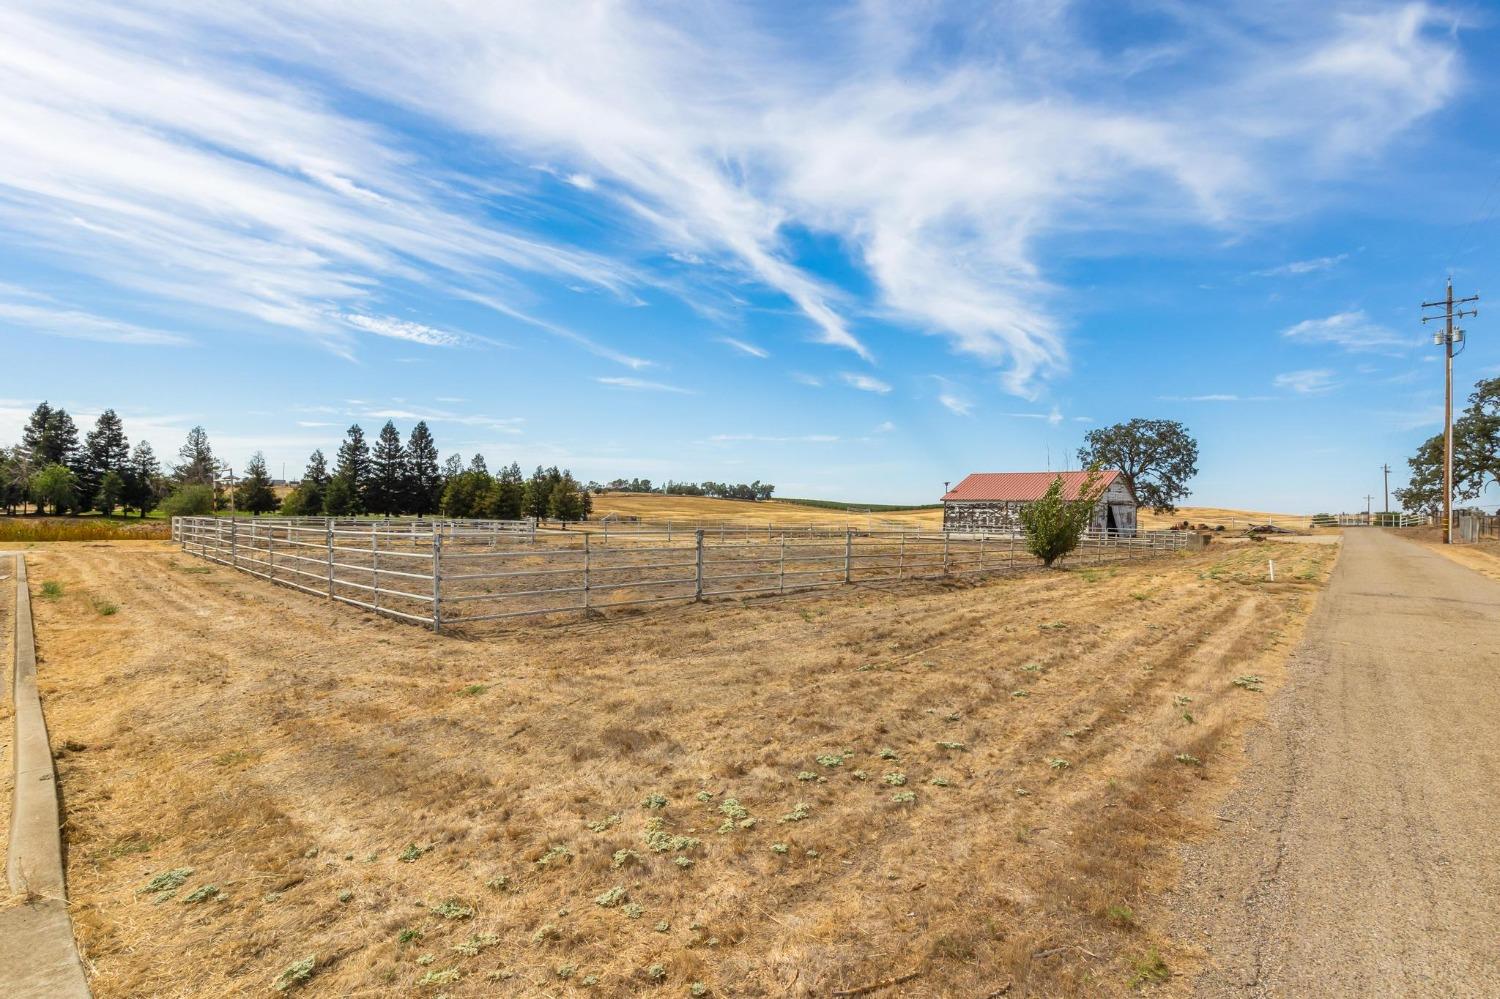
(872, 507)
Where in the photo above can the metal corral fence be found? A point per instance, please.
(454, 573)
(1470, 527)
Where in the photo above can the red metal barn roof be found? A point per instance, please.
(1021, 487)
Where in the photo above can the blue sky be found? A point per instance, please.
(853, 249)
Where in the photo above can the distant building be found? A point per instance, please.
(991, 502)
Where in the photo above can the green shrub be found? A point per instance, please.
(189, 501)
(1053, 525)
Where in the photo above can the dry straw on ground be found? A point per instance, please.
(564, 808)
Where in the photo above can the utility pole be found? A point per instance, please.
(1446, 340)
(1368, 500)
(1386, 468)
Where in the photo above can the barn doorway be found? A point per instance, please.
(1110, 525)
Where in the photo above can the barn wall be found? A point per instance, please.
(1002, 516)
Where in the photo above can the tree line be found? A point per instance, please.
(1476, 455)
(756, 490)
(54, 470)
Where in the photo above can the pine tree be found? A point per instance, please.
(308, 498)
(536, 494)
(384, 493)
(453, 466)
(196, 464)
(111, 490)
(423, 483)
(353, 470)
(55, 486)
(506, 494)
(338, 500)
(476, 464)
(50, 438)
(143, 483)
(254, 494)
(565, 500)
(105, 450)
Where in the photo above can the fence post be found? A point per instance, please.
(848, 554)
(375, 567)
(234, 552)
(328, 525)
(945, 553)
(698, 579)
(585, 572)
(781, 573)
(437, 580)
(981, 553)
(901, 558)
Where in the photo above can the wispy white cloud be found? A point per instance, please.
(1215, 397)
(803, 378)
(865, 383)
(1353, 331)
(704, 135)
(403, 329)
(640, 385)
(956, 404)
(885, 428)
(772, 439)
(1306, 382)
(59, 320)
(1298, 267)
(1053, 416)
(745, 348)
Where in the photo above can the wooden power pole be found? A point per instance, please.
(1447, 339)
(1386, 468)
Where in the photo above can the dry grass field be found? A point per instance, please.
(707, 510)
(978, 790)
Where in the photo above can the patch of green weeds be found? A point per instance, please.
(807, 775)
(940, 782)
(799, 812)
(473, 690)
(904, 797)
(623, 857)
(1054, 625)
(736, 816)
(566, 971)
(295, 974)
(697, 989)
(661, 841)
(600, 825)
(705, 796)
(106, 609)
(447, 976)
(1058, 763)
(886, 753)
(125, 847)
(545, 932)
(1250, 682)
(1188, 719)
(500, 882)
(1120, 915)
(1181, 700)
(426, 959)
(662, 926)
(408, 935)
(860, 775)
(165, 884)
(656, 973)
(453, 909)
(556, 855)
(1020, 693)
(895, 778)
(477, 943)
(615, 896)
(413, 853)
(780, 848)
(589, 981)
(1149, 967)
(655, 801)
(1188, 760)
(953, 745)
(831, 760)
(683, 862)
(634, 911)
(52, 589)
(202, 894)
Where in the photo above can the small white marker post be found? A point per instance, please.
(1272, 564)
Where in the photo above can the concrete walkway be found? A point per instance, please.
(38, 957)
(1360, 856)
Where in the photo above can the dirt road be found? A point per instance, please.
(1360, 855)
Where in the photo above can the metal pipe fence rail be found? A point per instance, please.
(459, 573)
